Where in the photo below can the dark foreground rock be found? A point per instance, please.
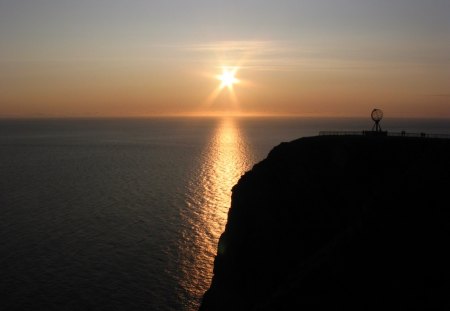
(340, 223)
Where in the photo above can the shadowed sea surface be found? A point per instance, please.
(125, 214)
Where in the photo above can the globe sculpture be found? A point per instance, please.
(377, 115)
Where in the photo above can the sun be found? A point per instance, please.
(228, 77)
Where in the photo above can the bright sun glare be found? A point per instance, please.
(227, 80)
(228, 77)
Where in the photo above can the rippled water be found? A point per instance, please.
(126, 214)
(224, 159)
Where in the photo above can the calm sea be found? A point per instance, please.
(125, 214)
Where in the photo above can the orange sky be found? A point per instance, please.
(304, 58)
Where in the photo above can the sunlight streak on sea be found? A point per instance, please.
(208, 199)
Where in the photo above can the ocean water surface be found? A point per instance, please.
(125, 214)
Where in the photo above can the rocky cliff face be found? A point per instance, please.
(338, 222)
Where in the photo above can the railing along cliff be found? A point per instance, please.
(371, 133)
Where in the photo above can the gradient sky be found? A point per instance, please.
(151, 57)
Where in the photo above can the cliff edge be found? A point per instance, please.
(347, 222)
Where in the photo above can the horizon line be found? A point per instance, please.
(211, 115)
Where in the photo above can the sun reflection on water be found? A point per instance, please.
(208, 199)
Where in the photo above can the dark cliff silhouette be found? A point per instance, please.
(338, 222)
